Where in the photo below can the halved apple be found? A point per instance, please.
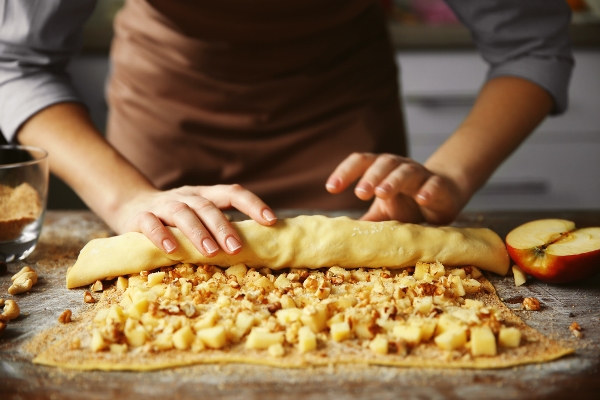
(554, 251)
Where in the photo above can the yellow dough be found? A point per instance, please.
(302, 242)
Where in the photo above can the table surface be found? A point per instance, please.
(65, 232)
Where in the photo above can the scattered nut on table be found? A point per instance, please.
(576, 330)
(65, 317)
(11, 310)
(23, 280)
(531, 304)
(88, 298)
(97, 286)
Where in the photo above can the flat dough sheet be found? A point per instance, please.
(311, 242)
(54, 347)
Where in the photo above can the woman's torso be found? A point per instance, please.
(268, 94)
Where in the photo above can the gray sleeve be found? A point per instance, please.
(523, 38)
(37, 40)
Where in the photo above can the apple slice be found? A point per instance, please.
(554, 251)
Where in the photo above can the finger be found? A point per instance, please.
(188, 221)
(374, 214)
(236, 196)
(378, 171)
(218, 225)
(408, 178)
(348, 171)
(431, 192)
(437, 202)
(151, 226)
(404, 209)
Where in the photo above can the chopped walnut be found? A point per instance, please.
(65, 317)
(88, 298)
(576, 330)
(425, 289)
(233, 282)
(274, 307)
(531, 304)
(574, 326)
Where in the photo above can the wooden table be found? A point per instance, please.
(64, 234)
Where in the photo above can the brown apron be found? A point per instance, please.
(269, 94)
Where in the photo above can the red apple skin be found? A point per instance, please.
(558, 269)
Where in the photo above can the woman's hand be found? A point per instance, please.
(196, 211)
(404, 190)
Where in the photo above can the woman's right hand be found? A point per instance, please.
(196, 211)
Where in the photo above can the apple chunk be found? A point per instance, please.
(554, 250)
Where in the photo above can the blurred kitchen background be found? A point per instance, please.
(558, 167)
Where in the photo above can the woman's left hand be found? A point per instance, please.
(404, 190)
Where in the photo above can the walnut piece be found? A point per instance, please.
(88, 298)
(576, 330)
(531, 304)
(65, 317)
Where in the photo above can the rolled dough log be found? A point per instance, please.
(302, 242)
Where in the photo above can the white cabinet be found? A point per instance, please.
(558, 167)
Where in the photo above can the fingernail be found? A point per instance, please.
(361, 189)
(232, 243)
(168, 245)
(269, 215)
(333, 183)
(381, 189)
(210, 246)
(423, 196)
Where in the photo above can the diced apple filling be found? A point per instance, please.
(155, 278)
(423, 304)
(410, 334)
(483, 341)
(207, 321)
(315, 318)
(509, 337)
(197, 307)
(379, 345)
(519, 275)
(276, 350)
(183, 338)
(214, 337)
(340, 331)
(261, 338)
(238, 270)
(420, 270)
(98, 343)
(122, 283)
(451, 339)
(307, 340)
